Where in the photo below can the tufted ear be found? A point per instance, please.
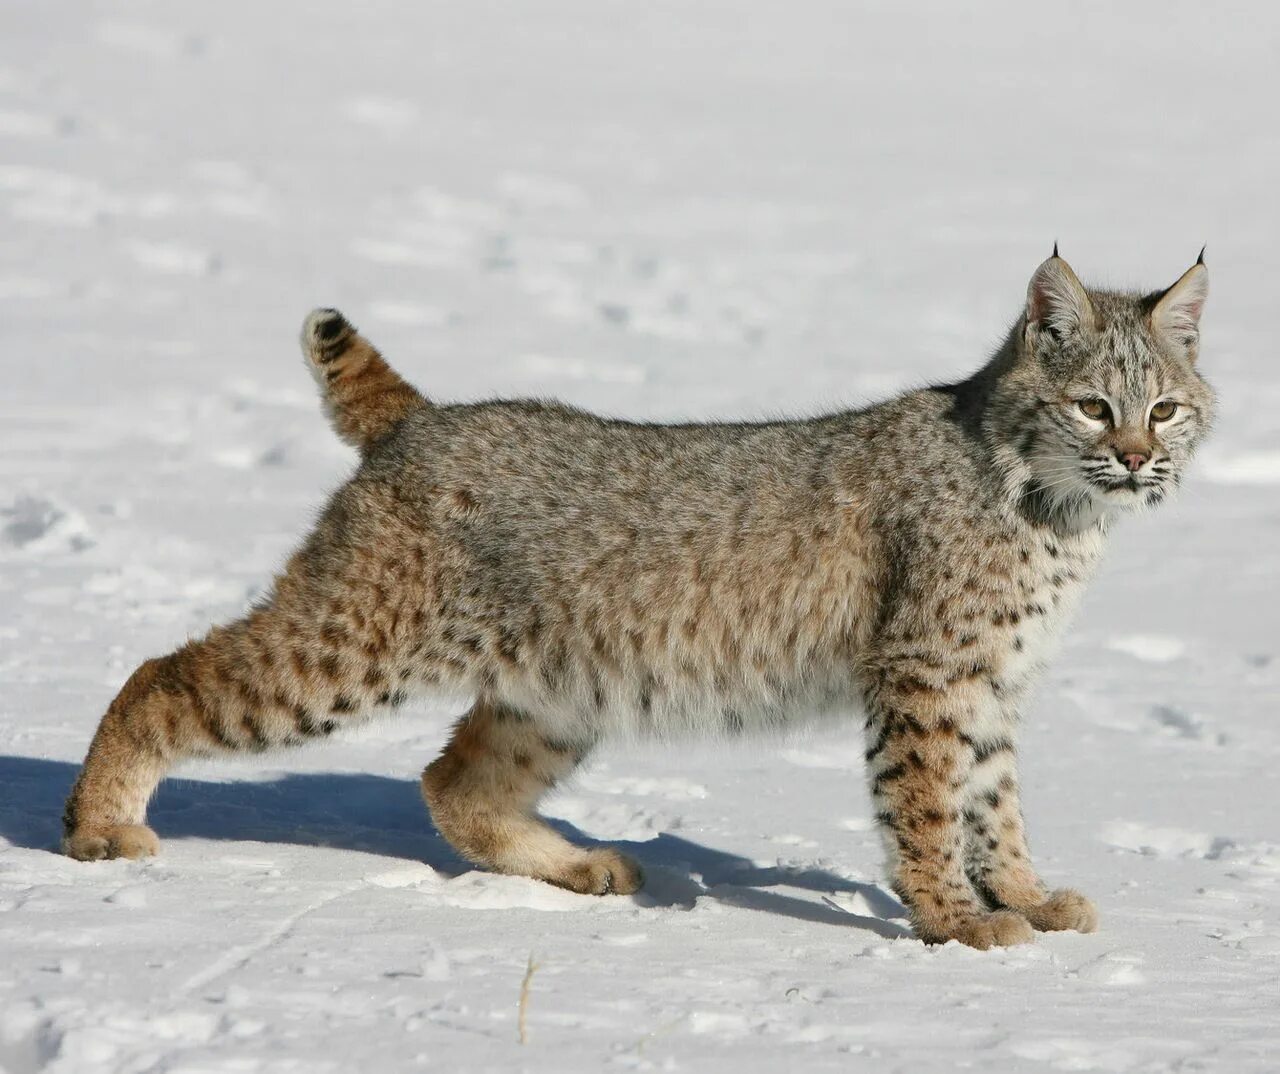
(1175, 318)
(1057, 300)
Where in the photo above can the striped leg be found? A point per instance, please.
(482, 792)
(919, 766)
(322, 651)
(996, 854)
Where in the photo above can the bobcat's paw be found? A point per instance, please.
(1003, 928)
(1064, 909)
(113, 841)
(601, 871)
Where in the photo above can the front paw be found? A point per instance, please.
(89, 843)
(1064, 909)
(1002, 928)
(600, 871)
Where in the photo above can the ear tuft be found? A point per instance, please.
(1057, 300)
(1175, 318)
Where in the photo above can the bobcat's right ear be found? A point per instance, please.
(1057, 301)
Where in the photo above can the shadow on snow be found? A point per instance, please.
(385, 816)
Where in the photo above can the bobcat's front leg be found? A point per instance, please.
(919, 763)
(996, 854)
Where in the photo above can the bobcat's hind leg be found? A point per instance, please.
(482, 791)
(268, 680)
(334, 641)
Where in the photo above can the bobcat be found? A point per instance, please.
(582, 577)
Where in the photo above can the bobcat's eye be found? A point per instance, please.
(1096, 409)
(1163, 411)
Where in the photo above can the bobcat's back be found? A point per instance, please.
(647, 578)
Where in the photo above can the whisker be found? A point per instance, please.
(1044, 487)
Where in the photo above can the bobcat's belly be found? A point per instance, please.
(677, 701)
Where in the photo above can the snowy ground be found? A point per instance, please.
(663, 210)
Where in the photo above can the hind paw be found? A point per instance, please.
(1064, 909)
(601, 871)
(111, 841)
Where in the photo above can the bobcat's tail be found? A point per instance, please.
(363, 396)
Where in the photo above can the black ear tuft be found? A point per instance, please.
(1057, 301)
(1055, 247)
(1200, 259)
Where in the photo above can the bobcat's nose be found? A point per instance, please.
(1133, 460)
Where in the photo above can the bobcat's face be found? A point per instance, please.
(1122, 423)
(1121, 407)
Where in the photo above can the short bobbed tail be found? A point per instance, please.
(363, 396)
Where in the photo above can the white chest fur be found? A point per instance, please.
(1053, 581)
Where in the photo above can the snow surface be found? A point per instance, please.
(663, 210)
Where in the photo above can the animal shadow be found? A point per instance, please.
(385, 816)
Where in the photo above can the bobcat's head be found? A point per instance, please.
(1109, 404)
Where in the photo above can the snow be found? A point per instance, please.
(665, 211)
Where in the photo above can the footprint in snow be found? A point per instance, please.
(1156, 842)
(1115, 969)
(38, 525)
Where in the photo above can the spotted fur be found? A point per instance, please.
(913, 562)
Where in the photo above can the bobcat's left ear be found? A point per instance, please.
(1057, 300)
(1175, 318)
